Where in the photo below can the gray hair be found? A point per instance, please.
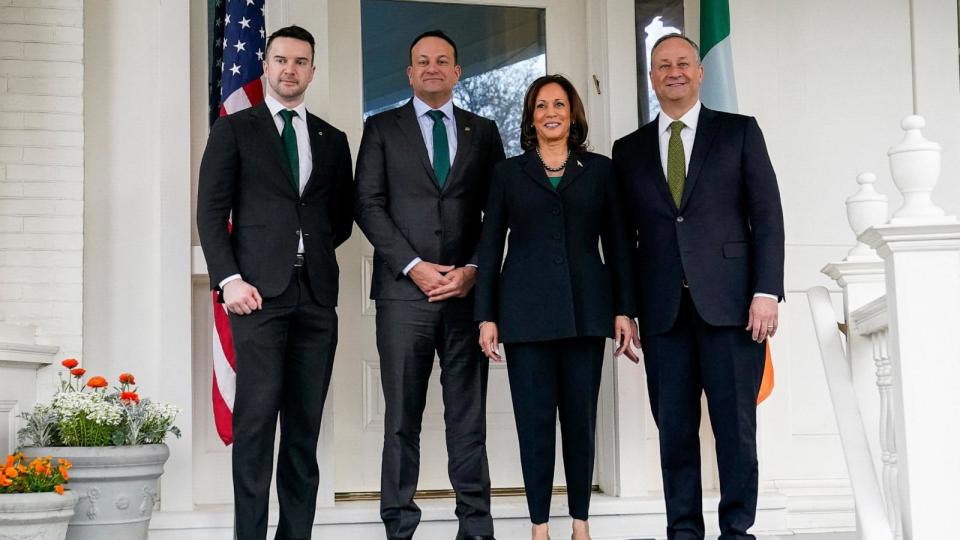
(696, 48)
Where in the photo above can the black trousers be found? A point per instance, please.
(284, 358)
(409, 333)
(547, 377)
(691, 358)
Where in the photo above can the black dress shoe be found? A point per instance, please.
(475, 537)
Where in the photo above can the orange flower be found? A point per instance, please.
(70, 363)
(64, 462)
(97, 382)
(37, 465)
(10, 472)
(127, 378)
(78, 372)
(63, 472)
(9, 460)
(58, 488)
(129, 396)
(4, 481)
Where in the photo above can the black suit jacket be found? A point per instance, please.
(245, 171)
(727, 236)
(401, 208)
(554, 284)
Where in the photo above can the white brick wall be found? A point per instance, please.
(41, 168)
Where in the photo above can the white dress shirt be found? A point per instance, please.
(426, 129)
(687, 136)
(304, 154)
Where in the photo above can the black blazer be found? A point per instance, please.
(245, 171)
(401, 208)
(727, 236)
(553, 284)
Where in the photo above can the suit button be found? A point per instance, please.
(438, 233)
(303, 204)
(556, 210)
(306, 235)
(679, 219)
(556, 236)
(558, 260)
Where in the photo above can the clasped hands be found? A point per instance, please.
(440, 282)
(625, 334)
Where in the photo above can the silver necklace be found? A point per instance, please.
(549, 168)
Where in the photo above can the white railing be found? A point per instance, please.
(900, 451)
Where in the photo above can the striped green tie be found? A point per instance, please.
(441, 148)
(676, 163)
(289, 137)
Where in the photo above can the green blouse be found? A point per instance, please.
(555, 180)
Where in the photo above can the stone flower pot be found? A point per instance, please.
(35, 516)
(116, 487)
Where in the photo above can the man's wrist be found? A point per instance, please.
(228, 279)
(411, 264)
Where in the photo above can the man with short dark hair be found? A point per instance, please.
(285, 176)
(708, 222)
(422, 177)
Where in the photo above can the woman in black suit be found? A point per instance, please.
(555, 300)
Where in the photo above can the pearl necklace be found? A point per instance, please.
(549, 168)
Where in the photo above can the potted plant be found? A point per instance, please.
(115, 441)
(33, 502)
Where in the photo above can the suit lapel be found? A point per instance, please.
(651, 138)
(410, 126)
(465, 146)
(268, 127)
(706, 131)
(575, 165)
(318, 148)
(534, 171)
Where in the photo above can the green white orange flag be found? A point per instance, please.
(719, 92)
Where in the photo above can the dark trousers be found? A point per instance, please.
(547, 377)
(691, 358)
(409, 333)
(284, 358)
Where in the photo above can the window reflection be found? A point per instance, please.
(654, 19)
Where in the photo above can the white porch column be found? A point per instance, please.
(923, 296)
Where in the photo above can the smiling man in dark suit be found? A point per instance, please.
(706, 214)
(423, 173)
(285, 175)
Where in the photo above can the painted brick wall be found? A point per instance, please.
(41, 168)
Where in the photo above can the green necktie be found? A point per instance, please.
(441, 148)
(676, 163)
(289, 138)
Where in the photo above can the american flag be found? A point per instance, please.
(236, 55)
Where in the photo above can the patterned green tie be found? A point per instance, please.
(441, 148)
(676, 163)
(289, 137)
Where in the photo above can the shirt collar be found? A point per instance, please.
(275, 107)
(689, 119)
(422, 108)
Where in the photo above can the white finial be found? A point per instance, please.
(865, 208)
(915, 166)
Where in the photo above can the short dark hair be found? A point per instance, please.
(577, 140)
(294, 32)
(696, 48)
(437, 34)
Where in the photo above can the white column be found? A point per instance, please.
(922, 264)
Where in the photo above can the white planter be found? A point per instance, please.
(116, 486)
(35, 516)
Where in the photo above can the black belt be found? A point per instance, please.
(299, 262)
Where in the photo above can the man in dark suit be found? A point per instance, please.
(422, 177)
(706, 213)
(285, 175)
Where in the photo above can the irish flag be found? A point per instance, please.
(718, 91)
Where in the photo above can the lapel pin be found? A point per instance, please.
(579, 163)
(320, 133)
(467, 128)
